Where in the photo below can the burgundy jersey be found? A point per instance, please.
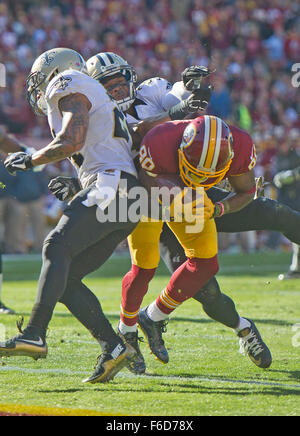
(159, 149)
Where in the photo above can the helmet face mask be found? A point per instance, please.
(34, 95)
(205, 153)
(106, 65)
(45, 67)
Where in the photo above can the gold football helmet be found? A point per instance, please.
(45, 67)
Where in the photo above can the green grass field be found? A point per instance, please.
(206, 374)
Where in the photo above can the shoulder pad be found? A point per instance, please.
(154, 87)
(65, 83)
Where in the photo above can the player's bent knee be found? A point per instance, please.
(55, 248)
(209, 292)
(140, 274)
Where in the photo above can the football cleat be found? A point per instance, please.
(289, 275)
(4, 310)
(137, 365)
(251, 344)
(110, 362)
(24, 344)
(152, 331)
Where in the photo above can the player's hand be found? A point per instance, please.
(193, 75)
(64, 188)
(199, 98)
(19, 161)
(259, 187)
(286, 178)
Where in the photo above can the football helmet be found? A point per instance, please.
(108, 64)
(205, 152)
(45, 67)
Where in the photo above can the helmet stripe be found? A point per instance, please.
(218, 144)
(212, 143)
(100, 60)
(106, 59)
(205, 141)
(110, 58)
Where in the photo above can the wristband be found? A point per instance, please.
(28, 162)
(221, 210)
(179, 111)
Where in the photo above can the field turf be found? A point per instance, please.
(206, 374)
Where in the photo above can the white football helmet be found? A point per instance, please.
(107, 64)
(45, 67)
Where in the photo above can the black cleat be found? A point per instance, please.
(252, 344)
(24, 344)
(153, 334)
(110, 362)
(137, 365)
(4, 310)
(289, 275)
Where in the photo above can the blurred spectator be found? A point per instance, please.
(22, 200)
(221, 103)
(30, 191)
(9, 217)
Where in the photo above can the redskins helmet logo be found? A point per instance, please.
(188, 136)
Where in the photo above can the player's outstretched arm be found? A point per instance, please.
(74, 109)
(244, 187)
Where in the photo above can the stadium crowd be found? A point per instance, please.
(251, 45)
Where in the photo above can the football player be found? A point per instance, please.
(288, 182)
(153, 98)
(87, 127)
(198, 151)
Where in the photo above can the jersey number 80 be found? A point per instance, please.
(146, 160)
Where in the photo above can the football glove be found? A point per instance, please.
(198, 100)
(286, 177)
(64, 188)
(193, 75)
(19, 161)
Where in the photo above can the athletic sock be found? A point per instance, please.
(123, 328)
(154, 313)
(243, 324)
(184, 284)
(134, 287)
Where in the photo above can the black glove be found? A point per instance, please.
(193, 75)
(19, 161)
(64, 188)
(198, 100)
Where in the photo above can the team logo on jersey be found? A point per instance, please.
(188, 136)
(62, 82)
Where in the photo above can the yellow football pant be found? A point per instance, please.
(144, 240)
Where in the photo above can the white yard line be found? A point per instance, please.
(153, 377)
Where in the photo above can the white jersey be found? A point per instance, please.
(108, 142)
(155, 96)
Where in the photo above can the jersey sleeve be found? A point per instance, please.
(244, 159)
(161, 93)
(66, 83)
(159, 148)
(176, 94)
